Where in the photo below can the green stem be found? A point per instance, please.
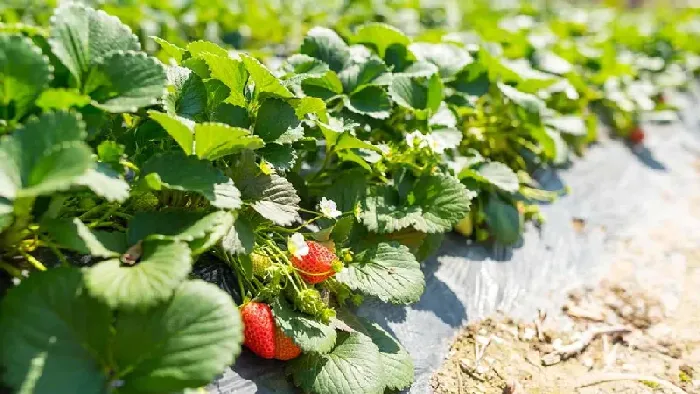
(16, 273)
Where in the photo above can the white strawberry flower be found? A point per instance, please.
(329, 209)
(416, 136)
(435, 144)
(297, 246)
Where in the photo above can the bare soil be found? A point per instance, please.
(637, 331)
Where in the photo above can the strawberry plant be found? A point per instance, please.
(142, 198)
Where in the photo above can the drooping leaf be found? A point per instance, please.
(529, 102)
(181, 129)
(199, 230)
(572, 124)
(387, 271)
(240, 238)
(75, 235)
(353, 367)
(265, 82)
(325, 44)
(184, 343)
(310, 335)
(397, 365)
(81, 37)
(495, 173)
(44, 155)
(53, 335)
(24, 72)
(503, 219)
(105, 182)
(175, 171)
(145, 85)
(161, 268)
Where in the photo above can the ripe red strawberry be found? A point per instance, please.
(263, 337)
(285, 348)
(636, 136)
(317, 265)
(259, 329)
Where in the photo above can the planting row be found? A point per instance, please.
(157, 212)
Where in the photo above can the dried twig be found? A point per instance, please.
(604, 377)
(563, 352)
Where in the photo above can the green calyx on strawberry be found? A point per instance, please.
(318, 264)
(262, 336)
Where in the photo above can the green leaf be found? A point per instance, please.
(161, 268)
(417, 93)
(396, 362)
(306, 65)
(439, 202)
(232, 73)
(324, 87)
(187, 173)
(495, 173)
(216, 140)
(6, 213)
(75, 235)
(184, 343)
(199, 230)
(349, 141)
(358, 75)
(181, 129)
(230, 114)
(199, 48)
(172, 50)
(387, 271)
(145, 85)
(353, 367)
(240, 238)
(24, 72)
(275, 117)
(572, 124)
(503, 219)
(326, 45)
(529, 102)
(52, 334)
(310, 335)
(449, 58)
(348, 193)
(265, 82)
(281, 156)
(57, 98)
(380, 36)
(105, 182)
(81, 37)
(371, 100)
(44, 155)
(187, 95)
(444, 201)
(272, 196)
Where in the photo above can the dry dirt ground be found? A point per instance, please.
(637, 331)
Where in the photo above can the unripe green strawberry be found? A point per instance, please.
(260, 264)
(259, 331)
(465, 226)
(319, 264)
